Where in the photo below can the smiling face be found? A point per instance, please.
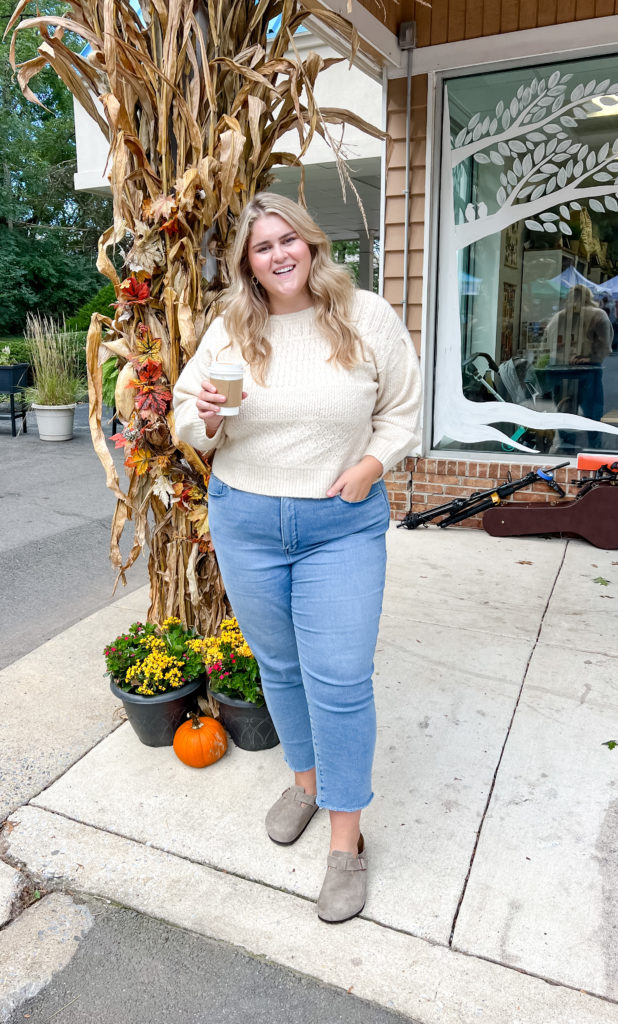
(280, 260)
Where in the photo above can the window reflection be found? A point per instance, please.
(538, 300)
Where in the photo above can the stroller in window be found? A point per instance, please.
(514, 380)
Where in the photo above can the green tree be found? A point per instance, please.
(48, 232)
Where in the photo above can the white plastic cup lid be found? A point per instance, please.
(226, 371)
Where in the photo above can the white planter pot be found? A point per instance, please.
(55, 422)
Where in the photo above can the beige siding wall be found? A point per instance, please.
(395, 201)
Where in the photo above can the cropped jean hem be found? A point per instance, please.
(292, 768)
(346, 810)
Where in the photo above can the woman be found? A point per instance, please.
(298, 510)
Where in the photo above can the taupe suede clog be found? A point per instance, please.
(289, 816)
(344, 890)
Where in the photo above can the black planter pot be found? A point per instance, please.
(155, 719)
(13, 378)
(250, 727)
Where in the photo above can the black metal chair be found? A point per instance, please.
(13, 380)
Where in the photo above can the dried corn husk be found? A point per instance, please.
(124, 394)
(195, 98)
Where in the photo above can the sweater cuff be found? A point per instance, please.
(383, 451)
(194, 434)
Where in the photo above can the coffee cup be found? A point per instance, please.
(227, 378)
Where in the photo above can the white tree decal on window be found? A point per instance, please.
(545, 173)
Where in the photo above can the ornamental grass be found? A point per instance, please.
(55, 358)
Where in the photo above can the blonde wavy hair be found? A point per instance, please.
(245, 302)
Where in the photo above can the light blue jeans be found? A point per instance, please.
(305, 578)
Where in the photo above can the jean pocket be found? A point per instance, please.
(373, 493)
(216, 487)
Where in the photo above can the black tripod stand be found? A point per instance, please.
(462, 508)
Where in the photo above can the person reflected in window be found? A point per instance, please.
(608, 304)
(580, 338)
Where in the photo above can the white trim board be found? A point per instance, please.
(547, 41)
(370, 29)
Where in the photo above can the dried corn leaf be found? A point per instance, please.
(194, 100)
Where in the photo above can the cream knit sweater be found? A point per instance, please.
(314, 419)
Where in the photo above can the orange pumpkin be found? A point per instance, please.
(200, 741)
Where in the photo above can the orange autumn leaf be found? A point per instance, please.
(170, 226)
(148, 371)
(139, 460)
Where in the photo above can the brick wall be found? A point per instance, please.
(419, 484)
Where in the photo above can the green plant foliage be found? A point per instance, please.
(99, 303)
(48, 231)
(150, 659)
(348, 252)
(110, 371)
(231, 666)
(13, 350)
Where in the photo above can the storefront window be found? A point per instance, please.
(527, 342)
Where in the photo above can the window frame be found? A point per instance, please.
(430, 297)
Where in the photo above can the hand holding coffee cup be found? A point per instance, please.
(221, 395)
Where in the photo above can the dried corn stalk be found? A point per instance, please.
(193, 98)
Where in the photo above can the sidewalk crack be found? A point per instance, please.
(503, 748)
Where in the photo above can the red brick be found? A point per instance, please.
(458, 492)
(476, 483)
(525, 496)
(429, 489)
(450, 479)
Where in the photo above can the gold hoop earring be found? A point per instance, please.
(254, 281)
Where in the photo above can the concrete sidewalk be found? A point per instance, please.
(492, 837)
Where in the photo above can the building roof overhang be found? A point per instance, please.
(378, 46)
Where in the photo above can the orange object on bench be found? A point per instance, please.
(586, 460)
